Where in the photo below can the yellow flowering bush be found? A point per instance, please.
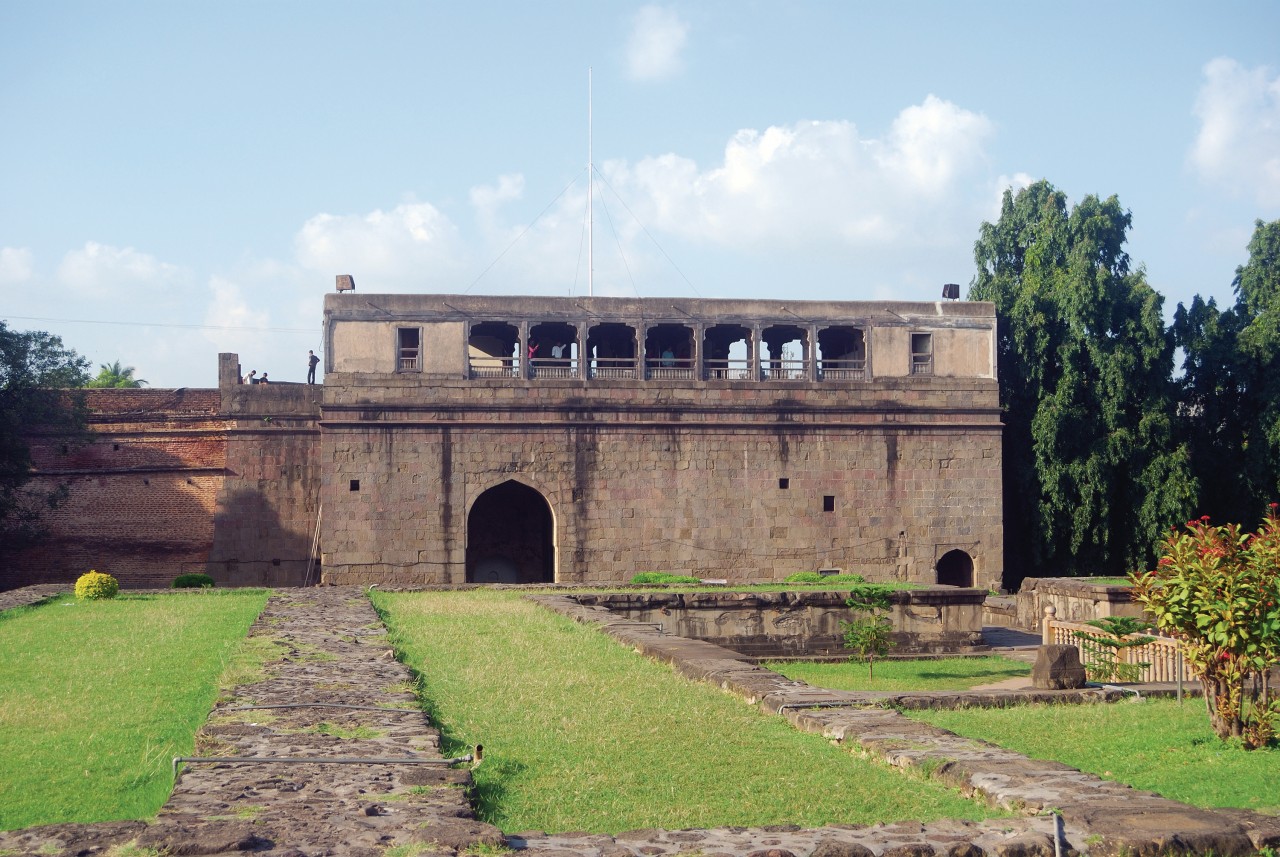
(97, 585)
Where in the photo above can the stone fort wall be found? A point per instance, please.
(141, 493)
(701, 480)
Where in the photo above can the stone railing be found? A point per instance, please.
(1162, 655)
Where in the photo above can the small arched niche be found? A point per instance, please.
(955, 568)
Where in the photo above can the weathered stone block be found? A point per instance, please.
(1057, 668)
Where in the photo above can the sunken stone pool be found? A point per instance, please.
(761, 625)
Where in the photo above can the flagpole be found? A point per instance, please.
(591, 269)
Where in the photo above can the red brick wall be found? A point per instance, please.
(141, 491)
(169, 485)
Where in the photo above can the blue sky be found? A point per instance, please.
(183, 178)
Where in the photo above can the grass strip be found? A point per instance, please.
(1155, 744)
(582, 734)
(895, 675)
(97, 696)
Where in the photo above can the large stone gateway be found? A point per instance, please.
(583, 440)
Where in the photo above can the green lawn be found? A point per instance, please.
(580, 733)
(895, 675)
(1156, 745)
(96, 697)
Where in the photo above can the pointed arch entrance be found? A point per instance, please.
(510, 536)
(955, 568)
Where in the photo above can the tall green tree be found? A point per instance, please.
(37, 374)
(115, 375)
(1093, 476)
(1213, 411)
(1257, 285)
(1229, 407)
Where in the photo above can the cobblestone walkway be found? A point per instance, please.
(333, 651)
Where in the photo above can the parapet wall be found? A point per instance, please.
(1076, 599)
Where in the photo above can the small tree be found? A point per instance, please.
(1217, 590)
(869, 636)
(1105, 662)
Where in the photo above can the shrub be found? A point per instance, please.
(1217, 590)
(652, 577)
(192, 581)
(96, 585)
(815, 577)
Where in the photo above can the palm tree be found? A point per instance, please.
(115, 375)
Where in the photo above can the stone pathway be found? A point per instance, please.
(1006, 640)
(28, 595)
(333, 650)
(1013, 644)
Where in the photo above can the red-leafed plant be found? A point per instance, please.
(1217, 590)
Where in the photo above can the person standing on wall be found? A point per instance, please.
(312, 362)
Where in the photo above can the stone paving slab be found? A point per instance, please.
(1020, 838)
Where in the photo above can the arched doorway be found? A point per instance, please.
(510, 537)
(955, 568)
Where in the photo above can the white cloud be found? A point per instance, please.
(658, 38)
(930, 143)
(814, 183)
(411, 247)
(1238, 145)
(815, 195)
(98, 270)
(487, 200)
(228, 308)
(16, 265)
